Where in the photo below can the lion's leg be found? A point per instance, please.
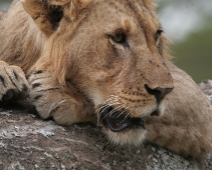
(52, 100)
(13, 84)
(186, 126)
(21, 41)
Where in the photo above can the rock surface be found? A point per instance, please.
(28, 143)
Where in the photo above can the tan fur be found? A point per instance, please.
(24, 45)
(186, 124)
(75, 68)
(1, 13)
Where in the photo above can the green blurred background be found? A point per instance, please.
(188, 24)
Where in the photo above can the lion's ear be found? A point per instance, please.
(47, 14)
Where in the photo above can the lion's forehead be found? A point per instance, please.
(136, 12)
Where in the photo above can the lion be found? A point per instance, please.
(105, 62)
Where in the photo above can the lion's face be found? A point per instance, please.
(118, 55)
(113, 52)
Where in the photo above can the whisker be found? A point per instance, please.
(121, 114)
(107, 113)
(106, 103)
(106, 106)
(105, 116)
(101, 107)
(112, 101)
(127, 115)
(118, 108)
(125, 110)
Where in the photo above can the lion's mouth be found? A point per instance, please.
(116, 121)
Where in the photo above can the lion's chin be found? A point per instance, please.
(131, 136)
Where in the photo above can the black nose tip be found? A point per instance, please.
(158, 92)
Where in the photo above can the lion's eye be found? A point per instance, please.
(119, 37)
(158, 33)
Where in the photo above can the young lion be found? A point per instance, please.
(105, 62)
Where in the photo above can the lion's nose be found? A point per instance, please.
(158, 92)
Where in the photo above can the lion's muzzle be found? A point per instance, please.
(117, 121)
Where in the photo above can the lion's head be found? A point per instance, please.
(113, 52)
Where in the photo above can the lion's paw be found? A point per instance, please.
(13, 84)
(52, 101)
(48, 98)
